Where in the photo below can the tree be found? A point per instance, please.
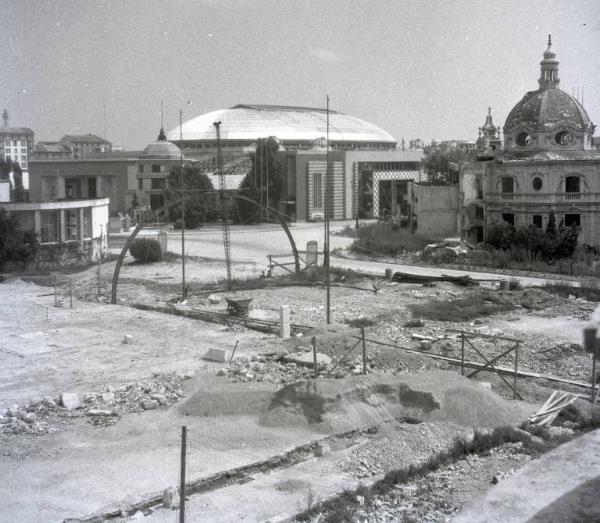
(551, 227)
(441, 163)
(264, 182)
(16, 245)
(199, 206)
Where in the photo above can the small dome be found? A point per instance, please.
(161, 149)
(546, 109)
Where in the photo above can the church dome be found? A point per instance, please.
(161, 149)
(545, 109)
(548, 119)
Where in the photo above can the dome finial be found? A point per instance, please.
(549, 73)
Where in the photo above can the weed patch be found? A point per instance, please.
(385, 241)
(589, 291)
(462, 309)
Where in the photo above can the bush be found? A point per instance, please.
(145, 250)
(531, 244)
(16, 245)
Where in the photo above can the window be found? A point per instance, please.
(317, 198)
(523, 139)
(157, 183)
(572, 184)
(71, 225)
(479, 212)
(537, 221)
(563, 138)
(50, 226)
(507, 184)
(573, 220)
(140, 184)
(508, 218)
(156, 168)
(141, 168)
(537, 183)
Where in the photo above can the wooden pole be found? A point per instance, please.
(71, 292)
(462, 353)
(364, 350)
(182, 475)
(516, 370)
(98, 279)
(314, 346)
(55, 295)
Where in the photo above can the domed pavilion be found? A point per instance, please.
(548, 164)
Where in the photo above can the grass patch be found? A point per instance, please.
(589, 291)
(411, 324)
(462, 309)
(361, 322)
(382, 240)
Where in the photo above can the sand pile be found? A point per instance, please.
(338, 405)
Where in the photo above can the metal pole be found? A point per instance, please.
(70, 293)
(314, 346)
(516, 370)
(267, 182)
(364, 350)
(183, 292)
(327, 278)
(594, 378)
(182, 475)
(55, 294)
(462, 353)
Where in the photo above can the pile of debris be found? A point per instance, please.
(102, 408)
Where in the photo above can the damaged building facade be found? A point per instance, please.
(548, 164)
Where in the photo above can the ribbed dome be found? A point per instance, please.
(162, 150)
(546, 109)
(250, 122)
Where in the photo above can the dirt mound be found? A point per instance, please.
(339, 405)
(215, 397)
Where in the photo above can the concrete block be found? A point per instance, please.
(108, 397)
(284, 322)
(70, 400)
(128, 338)
(149, 404)
(219, 355)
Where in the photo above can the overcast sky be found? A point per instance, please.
(419, 68)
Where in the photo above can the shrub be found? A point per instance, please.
(145, 250)
(514, 285)
(16, 245)
(500, 235)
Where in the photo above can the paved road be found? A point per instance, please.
(253, 244)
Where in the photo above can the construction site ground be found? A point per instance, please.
(140, 375)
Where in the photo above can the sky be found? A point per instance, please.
(418, 69)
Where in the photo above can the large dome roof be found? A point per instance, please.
(250, 122)
(545, 109)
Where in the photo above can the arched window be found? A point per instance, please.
(508, 185)
(572, 184)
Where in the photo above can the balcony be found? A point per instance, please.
(552, 198)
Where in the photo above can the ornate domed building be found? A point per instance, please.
(548, 163)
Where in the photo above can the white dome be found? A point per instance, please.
(289, 124)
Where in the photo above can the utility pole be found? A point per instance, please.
(327, 207)
(183, 288)
(267, 180)
(225, 225)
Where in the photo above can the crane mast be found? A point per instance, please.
(224, 221)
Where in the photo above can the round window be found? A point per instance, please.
(523, 139)
(563, 138)
(537, 183)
